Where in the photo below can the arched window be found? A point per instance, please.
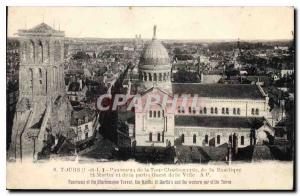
(204, 110)
(194, 110)
(206, 139)
(227, 110)
(252, 111)
(179, 109)
(158, 137)
(150, 77)
(155, 77)
(242, 140)
(218, 139)
(150, 136)
(158, 114)
(160, 76)
(211, 110)
(216, 110)
(238, 111)
(40, 52)
(145, 77)
(164, 77)
(257, 111)
(194, 139)
(163, 137)
(182, 138)
(223, 110)
(190, 110)
(234, 111)
(154, 114)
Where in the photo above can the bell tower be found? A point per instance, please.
(42, 108)
(41, 70)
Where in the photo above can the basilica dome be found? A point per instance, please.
(155, 66)
(155, 54)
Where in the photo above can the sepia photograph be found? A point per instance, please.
(150, 98)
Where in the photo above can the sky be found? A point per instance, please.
(194, 23)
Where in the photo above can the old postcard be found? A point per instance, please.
(150, 98)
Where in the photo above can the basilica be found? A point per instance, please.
(225, 114)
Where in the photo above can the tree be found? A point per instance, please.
(183, 76)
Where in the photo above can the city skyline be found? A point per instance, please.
(231, 23)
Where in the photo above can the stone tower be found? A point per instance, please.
(42, 110)
(41, 69)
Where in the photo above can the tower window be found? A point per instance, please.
(194, 139)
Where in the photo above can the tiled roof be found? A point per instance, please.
(43, 27)
(230, 91)
(218, 122)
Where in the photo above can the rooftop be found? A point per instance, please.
(218, 121)
(234, 91)
(41, 29)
